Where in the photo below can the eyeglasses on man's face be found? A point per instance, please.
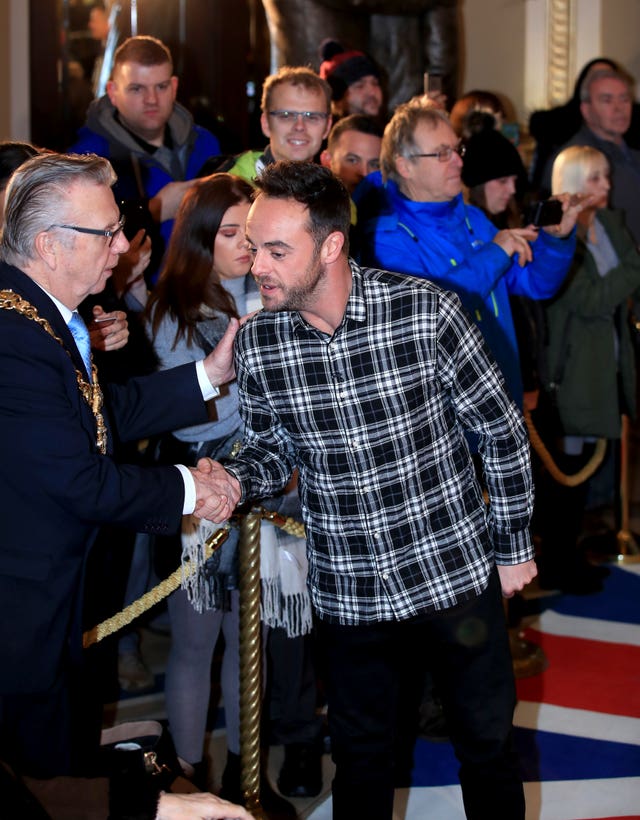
(109, 233)
(444, 153)
(312, 117)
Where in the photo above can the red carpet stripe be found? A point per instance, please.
(583, 674)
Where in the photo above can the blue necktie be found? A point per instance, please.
(81, 335)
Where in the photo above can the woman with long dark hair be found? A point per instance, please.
(203, 283)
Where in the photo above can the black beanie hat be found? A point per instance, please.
(490, 155)
(341, 68)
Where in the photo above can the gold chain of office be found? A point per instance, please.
(91, 393)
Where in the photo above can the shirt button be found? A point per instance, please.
(385, 576)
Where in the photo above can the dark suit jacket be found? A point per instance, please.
(56, 489)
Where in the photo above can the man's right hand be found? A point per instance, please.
(515, 241)
(217, 491)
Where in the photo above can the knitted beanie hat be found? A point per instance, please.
(341, 68)
(490, 155)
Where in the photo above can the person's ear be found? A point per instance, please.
(404, 167)
(110, 88)
(327, 127)
(332, 247)
(325, 159)
(46, 247)
(264, 124)
(584, 109)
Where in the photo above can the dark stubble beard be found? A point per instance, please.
(300, 297)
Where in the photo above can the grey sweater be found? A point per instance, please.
(226, 404)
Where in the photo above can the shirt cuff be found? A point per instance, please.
(189, 489)
(207, 389)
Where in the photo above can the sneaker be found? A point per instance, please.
(133, 673)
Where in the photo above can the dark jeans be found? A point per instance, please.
(374, 681)
(291, 689)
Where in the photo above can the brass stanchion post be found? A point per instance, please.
(628, 551)
(250, 663)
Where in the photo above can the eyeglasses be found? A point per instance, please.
(443, 154)
(109, 233)
(313, 117)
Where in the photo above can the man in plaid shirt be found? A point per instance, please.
(366, 381)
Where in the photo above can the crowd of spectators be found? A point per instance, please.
(432, 196)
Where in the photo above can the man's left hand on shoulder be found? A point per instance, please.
(218, 364)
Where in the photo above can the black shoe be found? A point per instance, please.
(432, 724)
(196, 773)
(230, 788)
(274, 806)
(301, 772)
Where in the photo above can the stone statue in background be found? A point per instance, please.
(405, 37)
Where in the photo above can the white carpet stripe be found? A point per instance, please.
(577, 722)
(555, 800)
(592, 629)
(634, 569)
(564, 799)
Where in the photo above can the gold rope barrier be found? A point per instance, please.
(554, 471)
(151, 598)
(250, 662)
(166, 587)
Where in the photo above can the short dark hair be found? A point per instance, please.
(362, 123)
(144, 50)
(315, 187)
(12, 155)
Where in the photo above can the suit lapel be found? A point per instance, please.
(13, 278)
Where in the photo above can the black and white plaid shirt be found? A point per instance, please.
(374, 418)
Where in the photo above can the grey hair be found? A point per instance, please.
(37, 194)
(399, 135)
(600, 74)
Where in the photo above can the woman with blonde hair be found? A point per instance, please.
(590, 356)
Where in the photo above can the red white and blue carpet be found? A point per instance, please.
(577, 723)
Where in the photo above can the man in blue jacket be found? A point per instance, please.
(425, 229)
(149, 138)
(58, 480)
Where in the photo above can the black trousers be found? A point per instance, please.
(374, 681)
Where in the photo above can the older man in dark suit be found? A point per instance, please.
(62, 237)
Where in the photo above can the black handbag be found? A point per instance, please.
(140, 761)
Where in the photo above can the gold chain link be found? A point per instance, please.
(91, 393)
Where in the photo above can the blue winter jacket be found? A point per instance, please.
(141, 173)
(450, 243)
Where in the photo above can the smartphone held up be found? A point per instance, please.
(542, 214)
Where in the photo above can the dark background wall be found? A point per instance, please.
(219, 49)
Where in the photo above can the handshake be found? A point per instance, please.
(217, 492)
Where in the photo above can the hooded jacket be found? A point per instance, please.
(141, 173)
